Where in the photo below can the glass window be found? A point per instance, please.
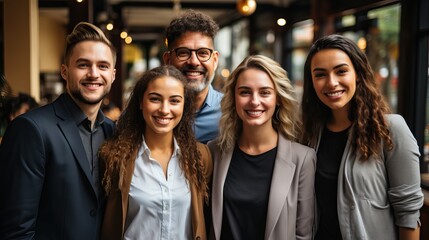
(302, 39)
(425, 165)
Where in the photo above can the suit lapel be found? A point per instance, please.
(221, 169)
(71, 134)
(283, 175)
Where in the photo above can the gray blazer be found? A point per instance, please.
(291, 203)
(376, 197)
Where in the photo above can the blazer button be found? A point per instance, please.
(93, 212)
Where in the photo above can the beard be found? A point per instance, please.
(76, 94)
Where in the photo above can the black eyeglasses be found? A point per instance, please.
(183, 54)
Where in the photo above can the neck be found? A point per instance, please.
(266, 139)
(201, 97)
(156, 141)
(339, 121)
(90, 110)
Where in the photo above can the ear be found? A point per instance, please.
(166, 57)
(64, 72)
(113, 75)
(215, 59)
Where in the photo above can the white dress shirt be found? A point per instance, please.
(159, 205)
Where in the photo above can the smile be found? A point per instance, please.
(162, 120)
(254, 113)
(334, 94)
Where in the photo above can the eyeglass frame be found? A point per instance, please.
(190, 55)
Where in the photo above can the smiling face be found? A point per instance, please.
(199, 74)
(255, 98)
(334, 79)
(89, 72)
(162, 105)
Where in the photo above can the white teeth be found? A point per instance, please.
(162, 120)
(92, 85)
(193, 73)
(334, 94)
(254, 113)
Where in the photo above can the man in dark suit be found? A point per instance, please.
(49, 171)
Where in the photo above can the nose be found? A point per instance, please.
(164, 109)
(93, 72)
(193, 60)
(332, 80)
(255, 99)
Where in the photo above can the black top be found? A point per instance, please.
(246, 194)
(329, 155)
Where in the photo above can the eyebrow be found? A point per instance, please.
(261, 88)
(87, 60)
(338, 66)
(159, 95)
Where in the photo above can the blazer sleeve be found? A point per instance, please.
(403, 171)
(22, 172)
(306, 197)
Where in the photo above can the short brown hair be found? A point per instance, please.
(85, 31)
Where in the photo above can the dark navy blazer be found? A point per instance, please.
(46, 187)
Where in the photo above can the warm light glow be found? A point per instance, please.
(128, 40)
(246, 7)
(361, 43)
(124, 34)
(109, 26)
(79, 1)
(225, 73)
(281, 22)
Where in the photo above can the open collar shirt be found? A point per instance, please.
(159, 205)
(207, 117)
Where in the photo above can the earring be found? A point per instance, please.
(277, 117)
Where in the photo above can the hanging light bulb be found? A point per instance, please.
(246, 7)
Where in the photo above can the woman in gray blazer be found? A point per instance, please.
(367, 173)
(263, 181)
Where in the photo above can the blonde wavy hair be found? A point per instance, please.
(286, 119)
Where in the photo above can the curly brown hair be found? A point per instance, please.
(190, 21)
(120, 150)
(368, 107)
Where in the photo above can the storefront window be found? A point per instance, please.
(425, 165)
(302, 38)
(377, 34)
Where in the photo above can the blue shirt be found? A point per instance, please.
(207, 117)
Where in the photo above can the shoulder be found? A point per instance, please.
(397, 124)
(295, 147)
(214, 94)
(206, 157)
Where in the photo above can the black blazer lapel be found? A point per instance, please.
(71, 133)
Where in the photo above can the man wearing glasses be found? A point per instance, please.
(190, 43)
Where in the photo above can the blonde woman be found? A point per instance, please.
(263, 179)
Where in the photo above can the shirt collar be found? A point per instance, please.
(176, 150)
(78, 115)
(210, 99)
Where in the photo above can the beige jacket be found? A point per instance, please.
(117, 204)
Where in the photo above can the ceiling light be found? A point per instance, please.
(246, 7)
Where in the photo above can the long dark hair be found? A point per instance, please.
(122, 148)
(368, 105)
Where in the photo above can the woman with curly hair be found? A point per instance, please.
(263, 179)
(367, 172)
(156, 173)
